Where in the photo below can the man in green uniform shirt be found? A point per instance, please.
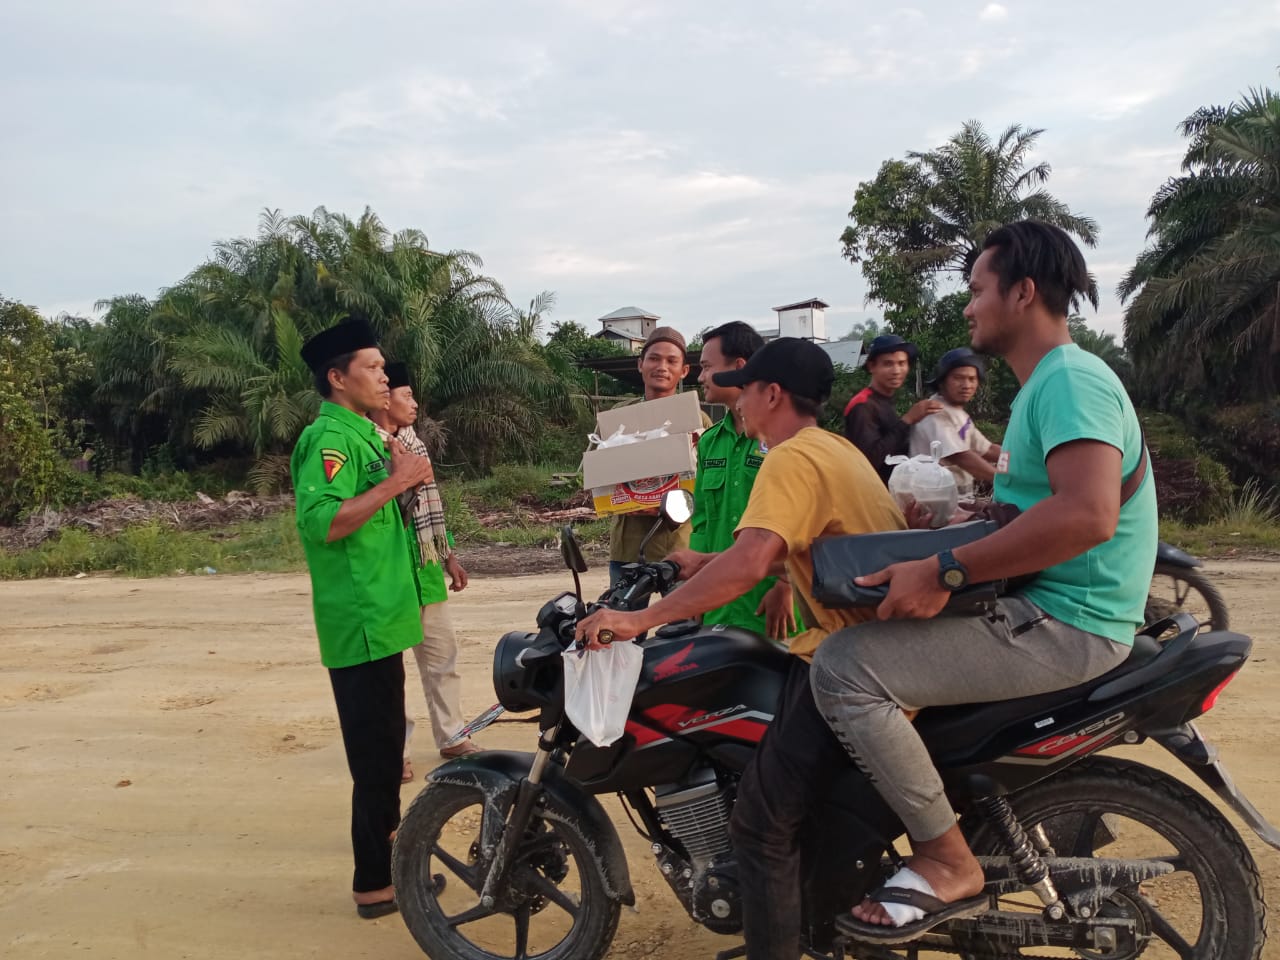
(728, 461)
(364, 592)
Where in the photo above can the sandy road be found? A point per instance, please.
(174, 786)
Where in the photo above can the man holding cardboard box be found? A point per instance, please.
(663, 365)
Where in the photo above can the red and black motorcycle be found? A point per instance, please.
(510, 855)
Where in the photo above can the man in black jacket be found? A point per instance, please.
(870, 421)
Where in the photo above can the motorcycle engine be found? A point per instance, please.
(696, 812)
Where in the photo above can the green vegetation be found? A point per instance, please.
(209, 371)
(510, 496)
(1201, 321)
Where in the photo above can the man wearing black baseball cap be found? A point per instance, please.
(965, 451)
(870, 420)
(812, 484)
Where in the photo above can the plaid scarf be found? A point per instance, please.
(423, 505)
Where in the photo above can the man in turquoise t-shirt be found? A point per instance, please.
(1073, 463)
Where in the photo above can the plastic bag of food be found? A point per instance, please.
(598, 688)
(927, 482)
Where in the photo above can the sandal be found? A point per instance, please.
(461, 749)
(406, 771)
(919, 896)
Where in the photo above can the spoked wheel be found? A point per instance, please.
(554, 906)
(1185, 590)
(1209, 908)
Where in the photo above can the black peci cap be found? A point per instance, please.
(798, 366)
(397, 375)
(345, 338)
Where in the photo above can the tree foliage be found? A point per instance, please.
(926, 217)
(210, 369)
(1203, 315)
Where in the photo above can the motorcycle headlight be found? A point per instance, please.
(511, 680)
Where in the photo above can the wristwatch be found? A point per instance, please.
(951, 572)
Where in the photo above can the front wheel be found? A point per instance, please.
(554, 906)
(1209, 908)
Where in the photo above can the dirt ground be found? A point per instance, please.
(174, 785)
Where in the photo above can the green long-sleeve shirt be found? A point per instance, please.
(363, 588)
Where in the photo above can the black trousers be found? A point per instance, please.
(370, 700)
(803, 819)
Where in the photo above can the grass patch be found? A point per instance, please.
(270, 545)
(515, 483)
(153, 550)
(1221, 538)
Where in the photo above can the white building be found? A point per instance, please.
(806, 319)
(629, 326)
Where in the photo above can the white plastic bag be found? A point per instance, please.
(598, 688)
(926, 481)
(620, 437)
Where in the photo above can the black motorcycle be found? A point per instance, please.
(1179, 586)
(510, 855)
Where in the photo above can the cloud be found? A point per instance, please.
(993, 12)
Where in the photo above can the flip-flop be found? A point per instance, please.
(372, 911)
(920, 896)
(463, 748)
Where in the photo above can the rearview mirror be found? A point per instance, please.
(677, 507)
(571, 550)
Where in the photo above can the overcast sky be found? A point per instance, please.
(695, 158)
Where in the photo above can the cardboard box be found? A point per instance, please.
(634, 476)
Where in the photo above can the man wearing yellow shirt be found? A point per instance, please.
(812, 484)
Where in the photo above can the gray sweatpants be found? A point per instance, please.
(865, 676)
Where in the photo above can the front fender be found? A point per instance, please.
(497, 773)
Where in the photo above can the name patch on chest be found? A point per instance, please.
(373, 466)
(754, 462)
(715, 462)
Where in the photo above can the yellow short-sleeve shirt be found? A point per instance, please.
(817, 484)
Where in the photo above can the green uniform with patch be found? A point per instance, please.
(431, 586)
(728, 462)
(364, 594)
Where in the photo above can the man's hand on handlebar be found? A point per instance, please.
(688, 562)
(616, 626)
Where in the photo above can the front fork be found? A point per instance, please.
(1187, 744)
(527, 796)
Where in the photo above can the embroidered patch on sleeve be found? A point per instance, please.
(334, 460)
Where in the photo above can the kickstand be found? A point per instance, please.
(732, 953)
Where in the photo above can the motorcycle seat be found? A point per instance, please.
(959, 727)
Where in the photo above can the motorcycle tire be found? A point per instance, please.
(1072, 807)
(1210, 609)
(422, 875)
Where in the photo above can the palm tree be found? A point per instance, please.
(929, 215)
(245, 314)
(1204, 296)
(1101, 345)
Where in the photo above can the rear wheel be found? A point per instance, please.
(1209, 908)
(1185, 590)
(554, 906)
